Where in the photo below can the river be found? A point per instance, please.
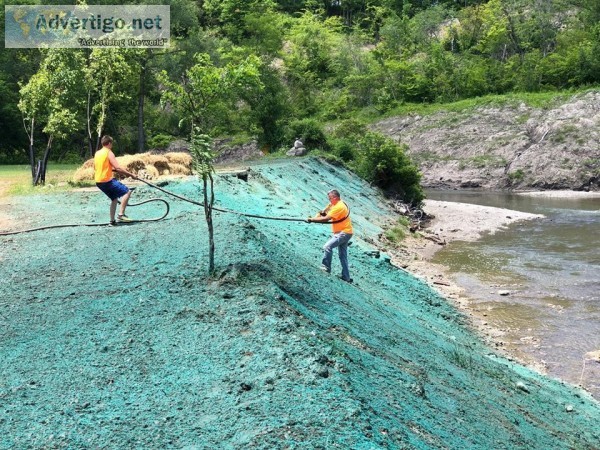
(550, 266)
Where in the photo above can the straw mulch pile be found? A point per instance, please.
(145, 165)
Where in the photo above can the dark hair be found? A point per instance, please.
(334, 192)
(106, 139)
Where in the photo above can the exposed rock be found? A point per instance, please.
(594, 356)
(301, 151)
(508, 146)
(228, 152)
(179, 145)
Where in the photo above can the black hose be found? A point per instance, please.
(8, 233)
(256, 216)
(185, 199)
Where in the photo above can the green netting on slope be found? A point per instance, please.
(115, 338)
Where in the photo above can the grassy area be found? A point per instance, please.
(16, 179)
(535, 100)
(397, 233)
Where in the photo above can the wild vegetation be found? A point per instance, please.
(278, 68)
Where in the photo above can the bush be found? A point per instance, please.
(310, 133)
(160, 141)
(349, 128)
(345, 149)
(344, 138)
(384, 163)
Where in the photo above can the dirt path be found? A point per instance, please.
(6, 220)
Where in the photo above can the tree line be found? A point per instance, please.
(271, 69)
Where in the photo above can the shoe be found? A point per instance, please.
(112, 223)
(123, 218)
(325, 269)
(347, 280)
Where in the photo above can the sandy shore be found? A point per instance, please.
(452, 221)
(466, 222)
(458, 222)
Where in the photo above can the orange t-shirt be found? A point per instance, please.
(102, 166)
(337, 212)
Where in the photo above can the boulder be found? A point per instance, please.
(300, 151)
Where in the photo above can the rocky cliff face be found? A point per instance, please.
(506, 147)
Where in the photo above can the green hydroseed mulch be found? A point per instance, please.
(116, 337)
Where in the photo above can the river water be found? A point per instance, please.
(551, 267)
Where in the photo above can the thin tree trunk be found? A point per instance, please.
(208, 204)
(44, 162)
(31, 152)
(89, 126)
(38, 172)
(141, 95)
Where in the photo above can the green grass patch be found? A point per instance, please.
(517, 176)
(397, 233)
(429, 156)
(482, 161)
(561, 134)
(16, 179)
(542, 100)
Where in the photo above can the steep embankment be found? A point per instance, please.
(510, 146)
(114, 338)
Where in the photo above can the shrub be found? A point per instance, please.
(310, 133)
(344, 138)
(349, 129)
(345, 149)
(160, 141)
(384, 163)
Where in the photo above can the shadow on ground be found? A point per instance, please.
(115, 337)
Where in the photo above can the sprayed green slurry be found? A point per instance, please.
(114, 338)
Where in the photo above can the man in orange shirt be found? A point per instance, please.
(104, 164)
(338, 213)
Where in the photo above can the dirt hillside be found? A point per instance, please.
(513, 146)
(115, 337)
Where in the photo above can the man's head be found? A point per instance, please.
(334, 196)
(106, 141)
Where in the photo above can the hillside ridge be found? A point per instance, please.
(506, 147)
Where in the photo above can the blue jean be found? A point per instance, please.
(339, 240)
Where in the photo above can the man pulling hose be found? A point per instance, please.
(104, 164)
(338, 213)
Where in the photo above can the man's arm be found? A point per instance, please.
(116, 167)
(322, 217)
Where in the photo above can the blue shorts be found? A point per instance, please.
(113, 189)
